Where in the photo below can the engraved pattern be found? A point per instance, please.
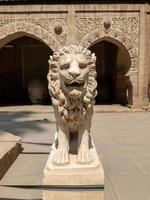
(123, 29)
(87, 25)
(40, 27)
(128, 26)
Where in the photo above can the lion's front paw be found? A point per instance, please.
(61, 157)
(84, 156)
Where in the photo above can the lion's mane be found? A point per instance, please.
(54, 85)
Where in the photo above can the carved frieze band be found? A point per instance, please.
(123, 29)
(51, 30)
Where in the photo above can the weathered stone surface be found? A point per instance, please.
(10, 147)
(73, 161)
(8, 137)
(123, 151)
(73, 178)
(72, 86)
(74, 173)
(59, 25)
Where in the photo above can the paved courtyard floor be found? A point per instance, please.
(122, 140)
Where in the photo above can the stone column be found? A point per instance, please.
(143, 67)
(133, 102)
(71, 39)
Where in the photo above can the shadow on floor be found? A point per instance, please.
(28, 125)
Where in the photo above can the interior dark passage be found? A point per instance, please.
(23, 71)
(112, 64)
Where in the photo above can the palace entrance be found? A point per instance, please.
(112, 65)
(24, 64)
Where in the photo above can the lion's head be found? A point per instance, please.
(72, 76)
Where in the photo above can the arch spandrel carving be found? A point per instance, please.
(90, 39)
(121, 29)
(26, 28)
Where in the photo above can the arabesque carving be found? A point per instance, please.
(72, 86)
(41, 28)
(123, 29)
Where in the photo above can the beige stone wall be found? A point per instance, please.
(86, 24)
(148, 46)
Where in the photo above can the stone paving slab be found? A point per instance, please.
(36, 148)
(131, 186)
(8, 137)
(27, 170)
(144, 163)
(120, 165)
(110, 193)
(29, 126)
(49, 109)
(122, 141)
(10, 193)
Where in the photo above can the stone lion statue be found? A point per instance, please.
(72, 86)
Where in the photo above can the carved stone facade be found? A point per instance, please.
(126, 26)
(123, 29)
(42, 28)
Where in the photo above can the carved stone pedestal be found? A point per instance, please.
(74, 181)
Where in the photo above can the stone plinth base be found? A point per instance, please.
(73, 195)
(74, 181)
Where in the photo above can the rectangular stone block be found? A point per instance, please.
(10, 148)
(73, 195)
(74, 181)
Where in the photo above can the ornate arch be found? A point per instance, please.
(30, 29)
(97, 35)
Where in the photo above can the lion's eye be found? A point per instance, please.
(82, 65)
(65, 66)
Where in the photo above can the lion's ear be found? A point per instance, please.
(50, 60)
(56, 56)
(93, 57)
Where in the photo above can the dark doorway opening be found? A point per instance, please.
(112, 64)
(106, 54)
(24, 63)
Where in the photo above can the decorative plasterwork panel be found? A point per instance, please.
(129, 26)
(123, 29)
(42, 28)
